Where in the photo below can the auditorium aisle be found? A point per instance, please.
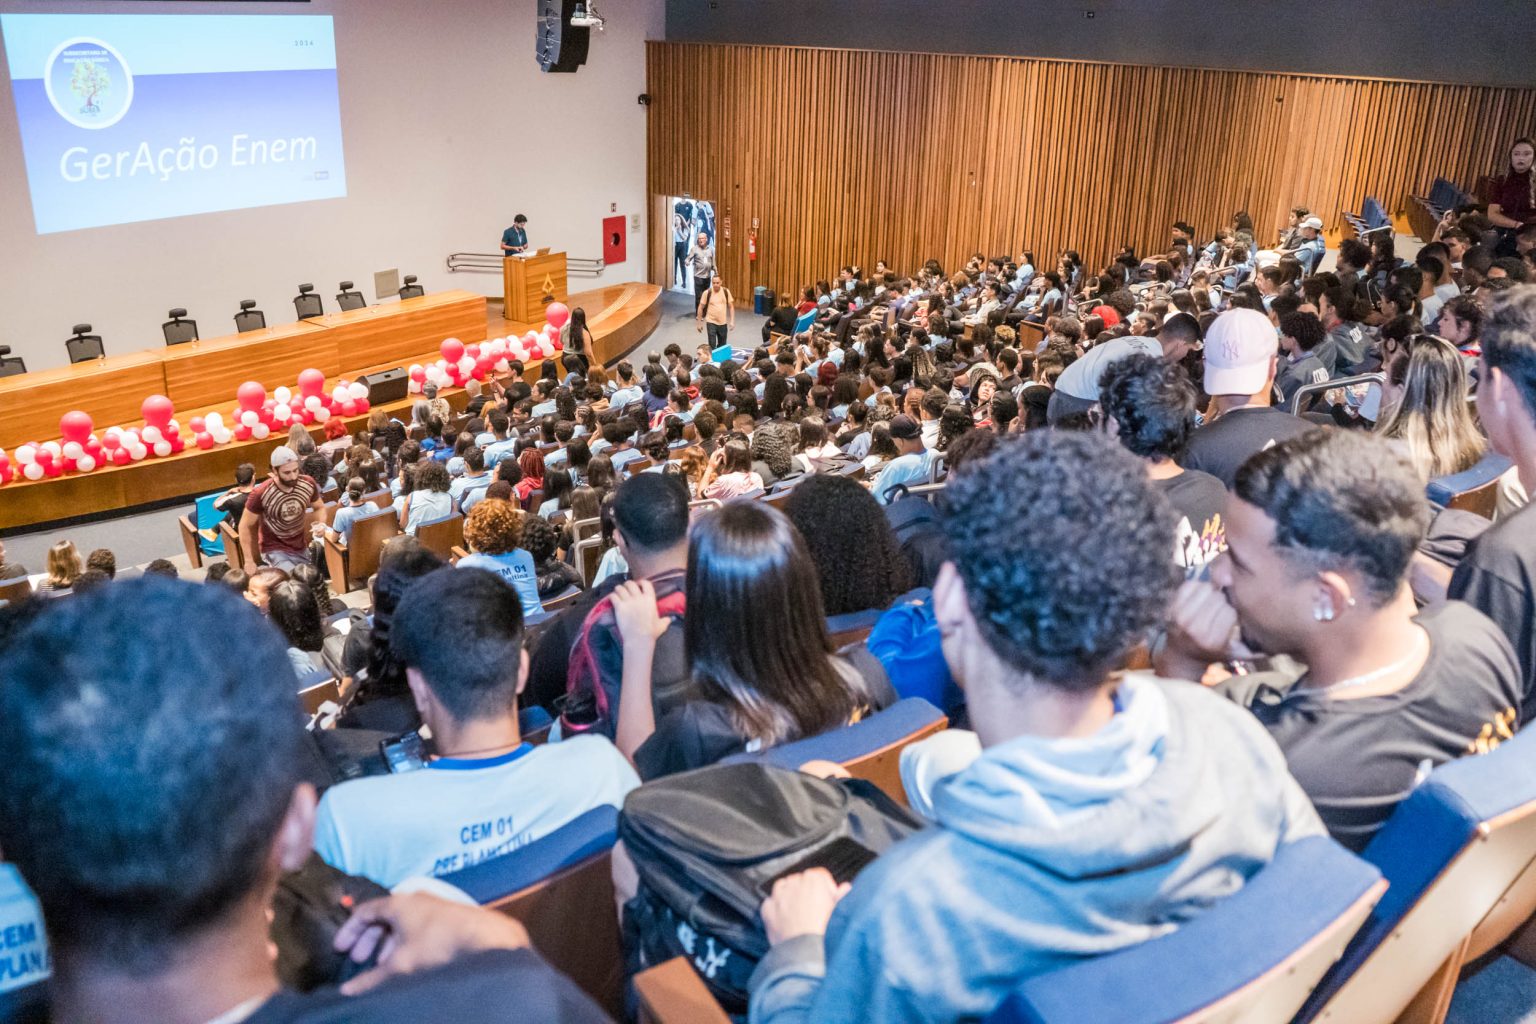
(142, 537)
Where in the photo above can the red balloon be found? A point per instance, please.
(556, 314)
(157, 410)
(69, 466)
(349, 407)
(112, 442)
(120, 457)
(198, 424)
(269, 405)
(93, 449)
(44, 456)
(452, 349)
(419, 375)
(362, 405)
(251, 395)
(53, 469)
(177, 443)
(307, 417)
(311, 382)
(242, 433)
(204, 440)
(75, 426)
(559, 345)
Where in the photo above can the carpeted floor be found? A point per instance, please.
(138, 538)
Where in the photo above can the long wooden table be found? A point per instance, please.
(208, 372)
(620, 317)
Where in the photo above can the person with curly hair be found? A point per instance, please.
(1171, 794)
(773, 452)
(1149, 404)
(494, 533)
(542, 542)
(857, 557)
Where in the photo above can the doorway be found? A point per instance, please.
(689, 218)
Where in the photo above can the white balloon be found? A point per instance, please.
(250, 419)
(73, 449)
(137, 453)
(281, 411)
(260, 431)
(313, 403)
(151, 434)
(411, 371)
(467, 365)
(502, 366)
(282, 396)
(26, 455)
(54, 447)
(212, 420)
(32, 471)
(357, 389)
(414, 388)
(163, 448)
(221, 436)
(340, 394)
(85, 463)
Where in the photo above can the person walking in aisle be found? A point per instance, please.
(702, 258)
(717, 309)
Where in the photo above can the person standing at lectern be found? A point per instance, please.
(702, 258)
(514, 240)
(717, 309)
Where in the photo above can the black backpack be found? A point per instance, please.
(919, 532)
(707, 844)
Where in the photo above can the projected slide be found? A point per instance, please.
(140, 117)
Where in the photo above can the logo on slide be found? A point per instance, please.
(88, 83)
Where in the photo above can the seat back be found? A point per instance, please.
(249, 318)
(560, 888)
(179, 331)
(442, 535)
(1458, 854)
(369, 534)
(15, 591)
(317, 688)
(412, 290)
(1472, 490)
(11, 366)
(1253, 957)
(234, 551)
(350, 298)
(307, 304)
(852, 627)
(870, 749)
(191, 542)
(84, 346)
(562, 599)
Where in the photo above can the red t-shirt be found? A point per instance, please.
(1513, 195)
(281, 513)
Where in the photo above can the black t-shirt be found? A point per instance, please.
(493, 987)
(1357, 759)
(1498, 577)
(1223, 445)
(1200, 499)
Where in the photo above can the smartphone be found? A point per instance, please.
(844, 858)
(407, 753)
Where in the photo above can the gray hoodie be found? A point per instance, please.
(1045, 852)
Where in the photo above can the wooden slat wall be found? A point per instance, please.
(852, 156)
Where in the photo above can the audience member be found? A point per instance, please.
(494, 533)
(104, 560)
(156, 884)
(1320, 533)
(1498, 575)
(763, 670)
(1240, 360)
(850, 541)
(1089, 812)
(64, 568)
(275, 525)
(10, 570)
(291, 607)
(458, 636)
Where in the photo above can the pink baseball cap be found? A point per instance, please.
(1238, 350)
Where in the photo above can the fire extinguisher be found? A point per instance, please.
(752, 246)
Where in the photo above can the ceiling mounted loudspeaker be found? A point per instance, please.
(562, 34)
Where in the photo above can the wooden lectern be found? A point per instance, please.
(532, 282)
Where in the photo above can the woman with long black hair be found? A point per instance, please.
(763, 668)
(576, 357)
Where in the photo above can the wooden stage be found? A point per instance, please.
(202, 377)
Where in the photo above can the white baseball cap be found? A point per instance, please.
(1238, 350)
(282, 455)
(1315, 223)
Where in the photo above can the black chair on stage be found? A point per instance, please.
(11, 366)
(179, 331)
(84, 346)
(350, 298)
(307, 303)
(412, 290)
(249, 318)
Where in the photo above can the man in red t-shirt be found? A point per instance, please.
(275, 529)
